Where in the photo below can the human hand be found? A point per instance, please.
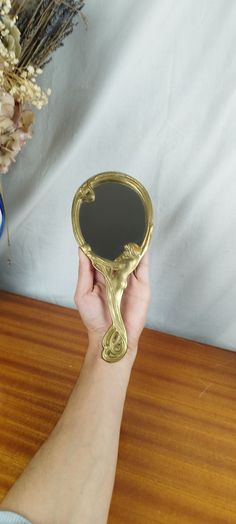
(91, 301)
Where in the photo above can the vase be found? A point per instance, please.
(2, 216)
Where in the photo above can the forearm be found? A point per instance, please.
(71, 478)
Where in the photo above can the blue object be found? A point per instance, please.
(2, 216)
(9, 517)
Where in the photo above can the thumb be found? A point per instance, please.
(85, 276)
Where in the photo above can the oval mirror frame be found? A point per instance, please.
(115, 272)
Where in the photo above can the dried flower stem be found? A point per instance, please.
(44, 24)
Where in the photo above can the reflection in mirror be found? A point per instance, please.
(115, 218)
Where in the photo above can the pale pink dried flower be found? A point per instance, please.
(15, 128)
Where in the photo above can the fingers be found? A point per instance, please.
(86, 275)
(142, 270)
(99, 278)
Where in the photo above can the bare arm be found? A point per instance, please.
(71, 477)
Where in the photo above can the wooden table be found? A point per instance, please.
(177, 458)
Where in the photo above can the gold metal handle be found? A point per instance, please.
(114, 342)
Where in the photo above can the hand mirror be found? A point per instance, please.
(112, 220)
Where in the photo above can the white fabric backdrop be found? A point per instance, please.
(149, 89)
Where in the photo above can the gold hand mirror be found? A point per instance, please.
(112, 220)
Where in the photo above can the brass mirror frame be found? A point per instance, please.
(115, 272)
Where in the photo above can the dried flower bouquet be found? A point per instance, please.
(30, 31)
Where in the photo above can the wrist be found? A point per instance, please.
(94, 353)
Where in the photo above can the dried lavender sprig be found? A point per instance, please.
(44, 24)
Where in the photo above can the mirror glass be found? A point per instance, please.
(116, 217)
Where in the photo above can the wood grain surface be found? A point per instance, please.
(177, 457)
